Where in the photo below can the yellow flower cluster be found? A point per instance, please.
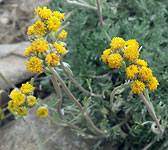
(48, 21)
(60, 48)
(126, 52)
(20, 99)
(41, 53)
(23, 99)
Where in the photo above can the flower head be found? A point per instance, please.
(39, 46)
(137, 87)
(145, 73)
(22, 111)
(153, 83)
(17, 97)
(34, 65)
(115, 60)
(131, 71)
(31, 100)
(39, 28)
(28, 51)
(53, 24)
(44, 13)
(12, 105)
(59, 15)
(133, 43)
(117, 43)
(42, 112)
(52, 59)
(27, 88)
(141, 62)
(62, 35)
(105, 55)
(131, 52)
(60, 48)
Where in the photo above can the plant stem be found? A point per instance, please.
(152, 113)
(81, 4)
(76, 83)
(59, 95)
(76, 102)
(99, 13)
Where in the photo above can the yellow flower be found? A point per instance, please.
(44, 13)
(131, 71)
(53, 24)
(34, 65)
(52, 59)
(106, 55)
(12, 105)
(31, 100)
(42, 112)
(131, 52)
(60, 48)
(145, 73)
(133, 43)
(137, 87)
(59, 15)
(22, 111)
(39, 28)
(17, 97)
(28, 51)
(39, 46)
(62, 35)
(27, 88)
(141, 62)
(117, 43)
(30, 30)
(153, 83)
(115, 60)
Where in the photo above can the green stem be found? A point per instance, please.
(152, 112)
(76, 83)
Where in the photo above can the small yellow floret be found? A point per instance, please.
(153, 83)
(17, 97)
(53, 24)
(115, 60)
(39, 28)
(28, 51)
(44, 13)
(39, 46)
(145, 73)
(131, 53)
(30, 30)
(133, 43)
(105, 55)
(117, 43)
(62, 35)
(137, 87)
(141, 62)
(31, 100)
(27, 88)
(42, 112)
(22, 111)
(34, 65)
(131, 71)
(12, 105)
(59, 15)
(52, 59)
(60, 48)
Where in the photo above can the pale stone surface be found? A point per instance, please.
(14, 70)
(18, 135)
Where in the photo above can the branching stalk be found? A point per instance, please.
(76, 83)
(81, 4)
(59, 96)
(99, 13)
(57, 77)
(152, 113)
